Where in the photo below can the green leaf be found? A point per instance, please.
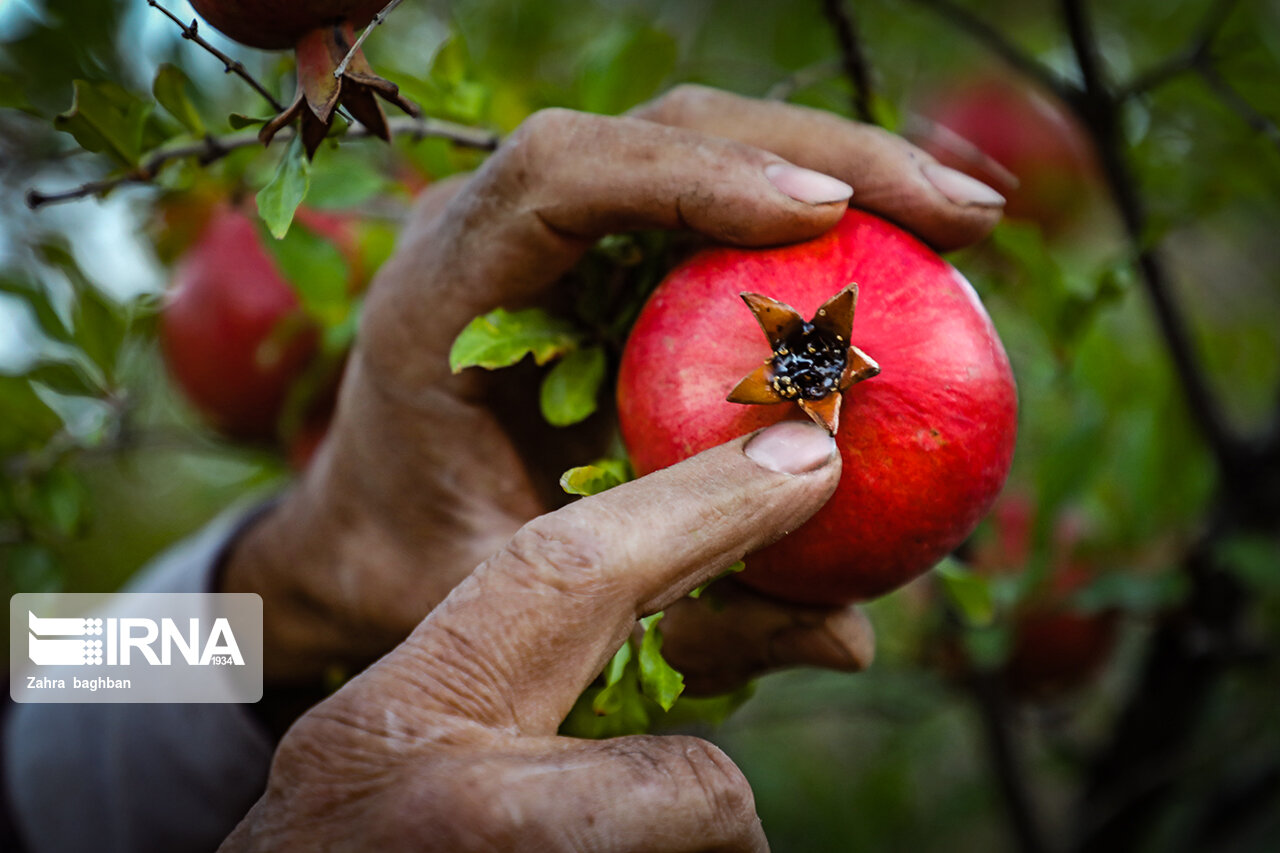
(968, 593)
(65, 377)
(240, 121)
(501, 338)
(627, 66)
(658, 680)
(12, 97)
(100, 327)
(106, 118)
(739, 566)
(317, 272)
(611, 698)
(58, 502)
(1254, 559)
(37, 299)
(170, 88)
(1135, 592)
(570, 389)
(279, 199)
(26, 422)
(599, 476)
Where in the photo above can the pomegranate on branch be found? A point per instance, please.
(909, 375)
(322, 34)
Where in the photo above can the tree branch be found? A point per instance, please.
(229, 65)
(1194, 55)
(995, 41)
(853, 57)
(1098, 108)
(1235, 102)
(374, 24)
(211, 149)
(994, 709)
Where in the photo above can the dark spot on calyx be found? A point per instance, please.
(808, 364)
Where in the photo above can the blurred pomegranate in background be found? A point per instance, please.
(1018, 139)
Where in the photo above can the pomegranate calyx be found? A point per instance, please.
(320, 52)
(813, 362)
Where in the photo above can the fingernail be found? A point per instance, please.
(792, 447)
(807, 185)
(960, 188)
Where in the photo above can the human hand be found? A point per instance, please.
(423, 476)
(449, 742)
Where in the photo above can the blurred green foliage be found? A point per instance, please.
(102, 463)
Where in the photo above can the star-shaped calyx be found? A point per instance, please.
(812, 363)
(320, 53)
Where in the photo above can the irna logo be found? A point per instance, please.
(116, 641)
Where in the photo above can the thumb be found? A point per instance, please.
(514, 644)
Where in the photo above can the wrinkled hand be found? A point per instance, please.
(449, 742)
(422, 478)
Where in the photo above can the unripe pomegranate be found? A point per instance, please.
(232, 332)
(926, 444)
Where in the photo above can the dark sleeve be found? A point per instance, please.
(140, 777)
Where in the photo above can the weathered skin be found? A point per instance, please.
(927, 444)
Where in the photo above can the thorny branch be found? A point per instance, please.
(373, 25)
(229, 65)
(853, 57)
(211, 149)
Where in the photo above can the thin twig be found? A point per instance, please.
(229, 65)
(853, 57)
(211, 149)
(374, 24)
(996, 41)
(1195, 54)
(1235, 102)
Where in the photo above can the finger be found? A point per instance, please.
(516, 642)
(731, 634)
(653, 794)
(560, 182)
(890, 176)
(658, 794)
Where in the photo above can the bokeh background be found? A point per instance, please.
(1099, 668)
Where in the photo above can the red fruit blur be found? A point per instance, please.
(278, 24)
(926, 444)
(1056, 647)
(232, 332)
(1025, 132)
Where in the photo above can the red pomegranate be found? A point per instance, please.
(1018, 139)
(232, 332)
(278, 24)
(926, 444)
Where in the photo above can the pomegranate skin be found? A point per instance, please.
(926, 445)
(278, 24)
(232, 332)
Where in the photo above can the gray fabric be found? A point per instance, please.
(139, 778)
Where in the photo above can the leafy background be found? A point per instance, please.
(104, 464)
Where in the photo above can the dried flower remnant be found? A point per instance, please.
(813, 362)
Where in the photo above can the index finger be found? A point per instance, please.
(890, 177)
(514, 644)
(559, 183)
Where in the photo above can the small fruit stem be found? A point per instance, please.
(374, 24)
